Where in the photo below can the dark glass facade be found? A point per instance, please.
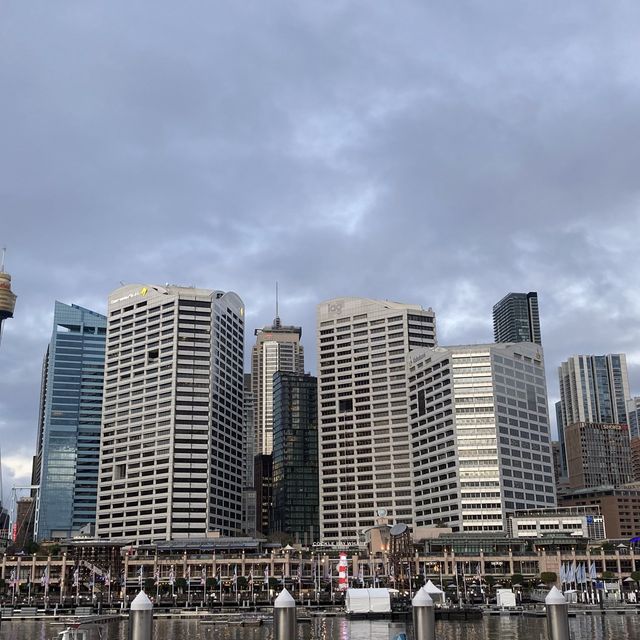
(516, 318)
(295, 509)
(68, 448)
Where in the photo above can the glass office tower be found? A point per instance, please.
(68, 447)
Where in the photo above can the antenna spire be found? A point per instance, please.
(276, 322)
(4, 253)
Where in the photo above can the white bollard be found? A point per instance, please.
(141, 618)
(285, 624)
(424, 617)
(557, 615)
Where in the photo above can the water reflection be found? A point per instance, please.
(609, 627)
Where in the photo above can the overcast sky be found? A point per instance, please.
(439, 153)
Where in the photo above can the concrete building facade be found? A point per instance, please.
(365, 459)
(480, 437)
(599, 454)
(171, 448)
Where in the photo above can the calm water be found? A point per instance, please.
(609, 627)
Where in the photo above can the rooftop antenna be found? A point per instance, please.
(276, 322)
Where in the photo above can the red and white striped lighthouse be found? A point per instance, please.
(343, 573)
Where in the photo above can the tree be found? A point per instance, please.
(149, 584)
(243, 583)
(608, 575)
(517, 578)
(181, 584)
(548, 577)
(635, 576)
(273, 583)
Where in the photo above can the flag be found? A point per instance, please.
(563, 573)
(299, 573)
(156, 576)
(140, 575)
(592, 571)
(266, 575)
(572, 572)
(12, 579)
(172, 575)
(203, 576)
(251, 578)
(107, 579)
(76, 577)
(188, 573)
(44, 581)
(361, 575)
(235, 575)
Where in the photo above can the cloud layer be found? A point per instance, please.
(424, 152)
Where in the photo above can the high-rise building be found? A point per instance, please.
(480, 436)
(295, 457)
(633, 417)
(516, 318)
(171, 449)
(68, 443)
(365, 457)
(594, 389)
(277, 348)
(598, 454)
(248, 454)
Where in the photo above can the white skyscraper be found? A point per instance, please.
(277, 348)
(171, 446)
(365, 460)
(480, 435)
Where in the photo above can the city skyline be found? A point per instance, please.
(329, 149)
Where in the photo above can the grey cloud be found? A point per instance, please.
(435, 153)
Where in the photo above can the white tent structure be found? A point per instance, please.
(368, 601)
(437, 595)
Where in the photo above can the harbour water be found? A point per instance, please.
(609, 627)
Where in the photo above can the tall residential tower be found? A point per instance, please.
(171, 450)
(516, 318)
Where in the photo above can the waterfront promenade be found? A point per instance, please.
(89, 572)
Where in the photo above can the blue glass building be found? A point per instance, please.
(68, 447)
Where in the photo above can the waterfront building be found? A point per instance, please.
(599, 454)
(295, 489)
(620, 507)
(516, 318)
(480, 436)
(578, 522)
(365, 457)
(65, 466)
(277, 348)
(171, 449)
